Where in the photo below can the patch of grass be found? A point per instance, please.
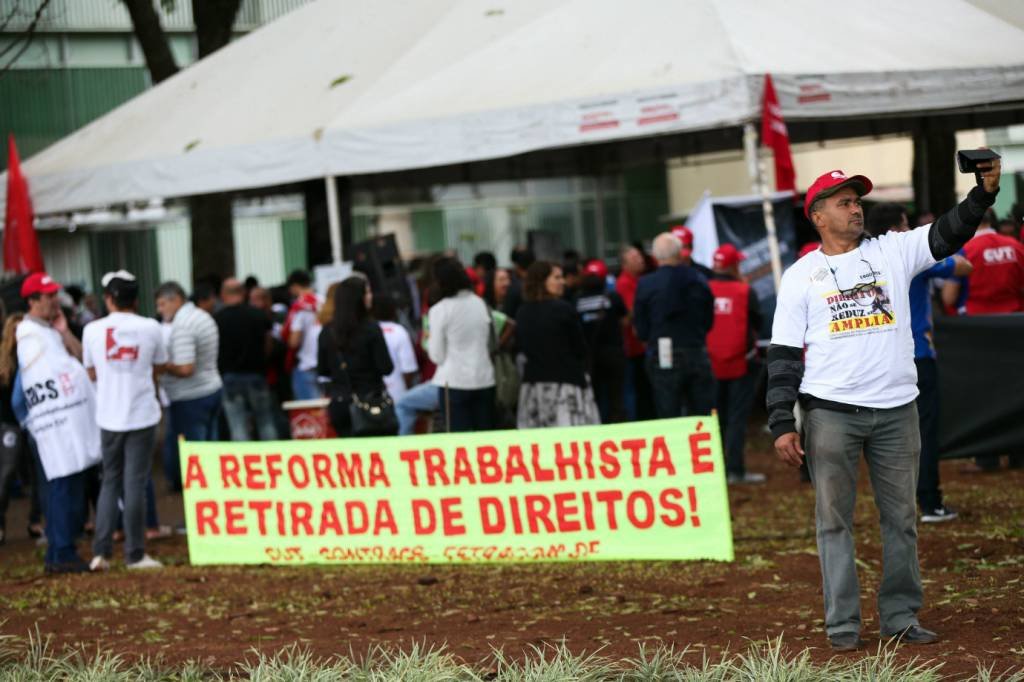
(34, 659)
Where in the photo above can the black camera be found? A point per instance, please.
(967, 160)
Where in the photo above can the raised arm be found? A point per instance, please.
(955, 228)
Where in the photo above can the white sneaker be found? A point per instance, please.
(747, 479)
(938, 515)
(144, 563)
(99, 563)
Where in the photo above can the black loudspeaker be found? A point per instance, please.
(380, 261)
(546, 245)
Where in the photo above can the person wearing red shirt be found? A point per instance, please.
(997, 283)
(639, 403)
(732, 346)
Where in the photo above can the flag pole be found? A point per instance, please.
(757, 171)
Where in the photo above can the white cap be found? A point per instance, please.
(120, 274)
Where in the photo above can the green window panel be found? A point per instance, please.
(428, 230)
(646, 200)
(293, 239)
(134, 251)
(40, 106)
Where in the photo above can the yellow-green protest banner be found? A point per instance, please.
(643, 490)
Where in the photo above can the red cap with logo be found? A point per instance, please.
(829, 183)
(684, 235)
(38, 283)
(596, 267)
(727, 256)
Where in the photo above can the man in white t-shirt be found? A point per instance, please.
(403, 357)
(301, 333)
(848, 305)
(123, 353)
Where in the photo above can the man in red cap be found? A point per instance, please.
(603, 313)
(61, 417)
(732, 347)
(848, 303)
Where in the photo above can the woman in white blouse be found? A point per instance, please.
(459, 344)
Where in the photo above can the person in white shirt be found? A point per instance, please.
(61, 417)
(848, 305)
(399, 343)
(459, 344)
(123, 353)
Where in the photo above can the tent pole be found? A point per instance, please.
(756, 169)
(333, 219)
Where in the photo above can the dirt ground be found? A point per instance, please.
(972, 569)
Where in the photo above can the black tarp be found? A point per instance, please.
(742, 224)
(981, 379)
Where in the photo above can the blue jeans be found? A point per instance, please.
(65, 500)
(687, 388)
(471, 410)
(304, 384)
(196, 420)
(425, 397)
(247, 397)
(735, 399)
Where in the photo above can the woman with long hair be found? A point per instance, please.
(555, 389)
(354, 358)
(459, 343)
(11, 437)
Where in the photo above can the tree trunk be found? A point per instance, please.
(213, 239)
(213, 244)
(214, 20)
(152, 39)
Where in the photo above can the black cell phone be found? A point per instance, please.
(967, 159)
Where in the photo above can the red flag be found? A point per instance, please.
(21, 247)
(775, 135)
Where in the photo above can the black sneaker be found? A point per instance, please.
(938, 514)
(846, 641)
(915, 634)
(77, 566)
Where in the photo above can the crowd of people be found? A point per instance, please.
(534, 345)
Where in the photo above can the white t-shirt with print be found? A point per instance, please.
(403, 357)
(122, 348)
(859, 347)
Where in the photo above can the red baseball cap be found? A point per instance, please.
(809, 247)
(829, 183)
(727, 256)
(596, 267)
(684, 235)
(38, 283)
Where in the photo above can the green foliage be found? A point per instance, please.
(35, 660)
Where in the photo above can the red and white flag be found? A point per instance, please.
(775, 135)
(21, 247)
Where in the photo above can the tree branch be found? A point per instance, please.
(26, 37)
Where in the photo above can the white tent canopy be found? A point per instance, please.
(344, 87)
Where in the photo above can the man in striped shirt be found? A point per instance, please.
(192, 381)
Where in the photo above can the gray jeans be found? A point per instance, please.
(127, 462)
(891, 443)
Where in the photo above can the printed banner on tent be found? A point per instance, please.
(645, 490)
